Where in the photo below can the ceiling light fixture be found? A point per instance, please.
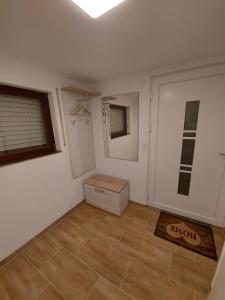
(96, 8)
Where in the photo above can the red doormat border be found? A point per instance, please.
(203, 232)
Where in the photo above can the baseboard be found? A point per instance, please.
(20, 249)
(139, 204)
(187, 214)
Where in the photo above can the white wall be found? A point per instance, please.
(135, 172)
(126, 147)
(218, 287)
(80, 137)
(36, 192)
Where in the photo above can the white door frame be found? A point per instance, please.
(155, 86)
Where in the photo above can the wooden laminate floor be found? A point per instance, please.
(93, 255)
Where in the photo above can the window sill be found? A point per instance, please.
(118, 136)
(6, 164)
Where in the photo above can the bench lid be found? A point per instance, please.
(106, 182)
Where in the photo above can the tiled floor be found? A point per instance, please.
(94, 255)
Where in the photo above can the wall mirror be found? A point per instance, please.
(120, 114)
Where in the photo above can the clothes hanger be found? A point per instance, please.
(80, 109)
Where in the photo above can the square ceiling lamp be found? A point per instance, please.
(96, 8)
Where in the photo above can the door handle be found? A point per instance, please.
(222, 155)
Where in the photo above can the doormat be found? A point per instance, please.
(186, 233)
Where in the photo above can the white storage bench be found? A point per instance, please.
(108, 193)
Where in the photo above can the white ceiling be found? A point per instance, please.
(135, 36)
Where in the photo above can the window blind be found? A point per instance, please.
(21, 123)
(116, 120)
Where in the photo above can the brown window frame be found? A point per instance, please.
(22, 154)
(125, 130)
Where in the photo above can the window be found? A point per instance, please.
(118, 121)
(25, 125)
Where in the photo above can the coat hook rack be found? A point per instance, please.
(82, 92)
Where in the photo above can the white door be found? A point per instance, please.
(189, 163)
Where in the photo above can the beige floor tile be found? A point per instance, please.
(200, 296)
(104, 290)
(151, 226)
(41, 250)
(103, 230)
(68, 236)
(100, 214)
(130, 209)
(134, 208)
(80, 215)
(109, 261)
(20, 280)
(190, 274)
(50, 294)
(209, 263)
(72, 278)
(149, 236)
(219, 231)
(147, 253)
(77, 220)
(128, 222)
(146, 284)
(148, 213)
(84, 213)
(154, 209)
(91, 211)
(86, 209)
(3, 295)
(122, 249)
(219, 238)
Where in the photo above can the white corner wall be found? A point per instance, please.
(136, 172)
(218, 287)
(36, 192)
